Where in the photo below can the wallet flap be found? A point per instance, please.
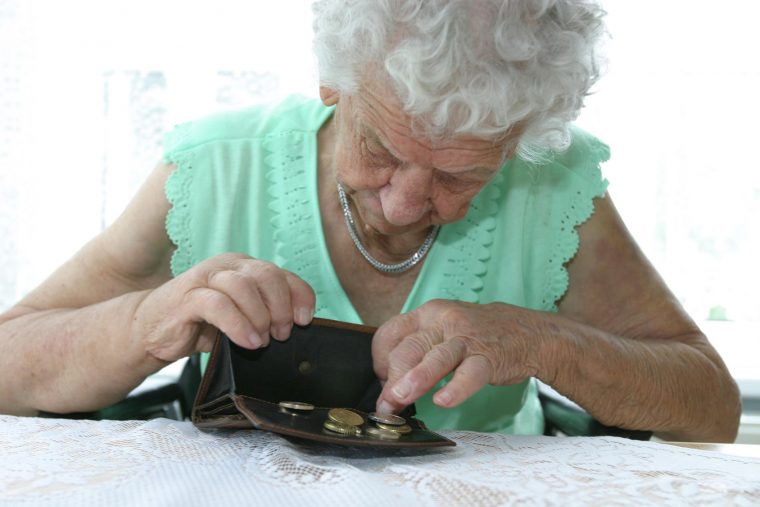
(220, 373)
(323, 364)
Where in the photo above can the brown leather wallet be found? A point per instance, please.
(327, 364)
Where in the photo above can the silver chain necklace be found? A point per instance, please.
(381, 266)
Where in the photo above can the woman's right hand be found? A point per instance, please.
(247, 299)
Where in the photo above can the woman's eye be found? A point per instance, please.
(377, 153)
(452, 182)
(449, 179)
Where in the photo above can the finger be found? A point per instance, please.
(206, 338)
(408, 352)
(216, 308)
(303, 300)
(417, 365)
(469, 378)
(275, 292)
(243, 292)
(441, 360)
(387, 338)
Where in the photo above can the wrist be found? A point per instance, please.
(543, 335)
(140, 358)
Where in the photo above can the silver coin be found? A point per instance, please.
(296, 405)
(395, 420)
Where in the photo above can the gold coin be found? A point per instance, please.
(296, 405)
(403, 428)
(382, 434)
(345, 416)
(340, 428)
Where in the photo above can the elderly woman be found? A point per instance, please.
(437, 191)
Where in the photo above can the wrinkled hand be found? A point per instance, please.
(248, 299)
(482, 344)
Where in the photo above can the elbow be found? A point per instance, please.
(728, 426)
(724, 413)
(723, 409)
(724, 423)
(714, 419)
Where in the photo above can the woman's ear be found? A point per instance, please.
(328, 95)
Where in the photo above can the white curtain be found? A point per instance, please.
(679, 107)
(88, 87)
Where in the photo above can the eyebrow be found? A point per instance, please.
(370, 133)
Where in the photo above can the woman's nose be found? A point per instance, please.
(407, 196)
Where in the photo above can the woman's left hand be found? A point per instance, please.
(481, 343)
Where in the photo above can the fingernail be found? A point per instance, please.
(255, 340)
(283, 332)
(384, 407)
(304, 316)
(442, 398)
(402, 389)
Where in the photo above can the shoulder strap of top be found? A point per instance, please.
(294, 113)
(562, 198)
(197, 149)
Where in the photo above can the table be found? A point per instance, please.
(164, 462)
(750, 450)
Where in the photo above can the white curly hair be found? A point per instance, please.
(477, 67)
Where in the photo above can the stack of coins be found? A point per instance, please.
(388, 426)
(344, 422)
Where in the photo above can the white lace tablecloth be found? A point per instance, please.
(163, 462)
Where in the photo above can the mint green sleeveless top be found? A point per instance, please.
(246, 181)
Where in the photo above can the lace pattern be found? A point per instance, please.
(163, 462)
(295, 218)
(468, 253)
(566, 245)
(177, 191)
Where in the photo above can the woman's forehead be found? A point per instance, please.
(401, 140)
(381, 120)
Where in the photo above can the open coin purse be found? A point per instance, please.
(327, 364)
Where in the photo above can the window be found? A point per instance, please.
(87, 89)
(678, 107)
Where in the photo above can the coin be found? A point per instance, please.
(382, 434)
(341, 428)
(297, 405)
(395, 420)
(345, 416)
(403, 428)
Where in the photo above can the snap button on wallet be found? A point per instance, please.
(327, 364)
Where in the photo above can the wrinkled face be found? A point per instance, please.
(400, 181)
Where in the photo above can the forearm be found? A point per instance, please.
(677, 387)
(69, 360)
